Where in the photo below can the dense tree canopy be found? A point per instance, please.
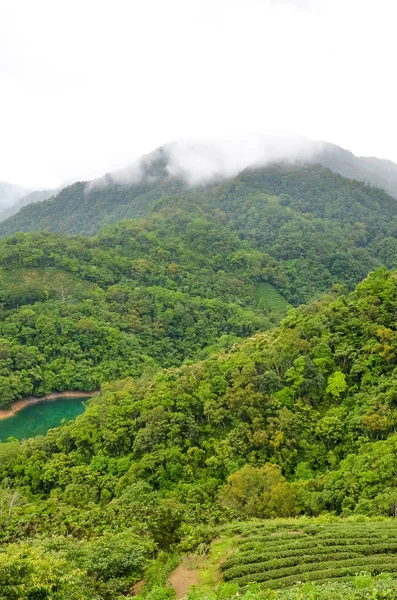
(305, 397)
(207, 412)
(320, 227)
(204, 268)
(77, 311)
(299, 420)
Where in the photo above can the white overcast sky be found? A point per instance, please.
(87, 86)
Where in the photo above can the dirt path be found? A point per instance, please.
(136, 588)
(182, 579)
(20, 404)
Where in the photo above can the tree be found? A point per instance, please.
(259, 492)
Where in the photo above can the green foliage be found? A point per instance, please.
(76, 312)
(319, 227)
(64, 568)
(28, 573)
(164, 525)
(297, 420)
(260, 492)
(160, 593)
(336, 384)
(282, 557)
(185, 430)
(360, 587)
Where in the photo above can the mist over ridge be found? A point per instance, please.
(202, 161)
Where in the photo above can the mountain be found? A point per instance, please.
(36, 196)
(10, 194)
(85, 207)
(204, 267)
(378, 172)
(76, 312)
(14, 197)
(321, 227)
(243, 332)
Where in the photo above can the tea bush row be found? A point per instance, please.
(359, 549)
(373, 563)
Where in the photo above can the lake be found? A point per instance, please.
(37, 419)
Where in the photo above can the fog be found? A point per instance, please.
(202, 161)
(87, 87)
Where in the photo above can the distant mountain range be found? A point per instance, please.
(375, 171)
(30, 198)
(10, 194)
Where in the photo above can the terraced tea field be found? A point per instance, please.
(277, 556)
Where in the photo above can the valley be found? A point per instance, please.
(242, 336)
(198, 300)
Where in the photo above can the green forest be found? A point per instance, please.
(200, 271)
(243, 336)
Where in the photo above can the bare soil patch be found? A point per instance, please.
(297, 532)
(182, 579)
(136, 588)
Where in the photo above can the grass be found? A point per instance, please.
(209, 568)
(272, 301)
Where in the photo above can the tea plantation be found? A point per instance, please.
(277, 556)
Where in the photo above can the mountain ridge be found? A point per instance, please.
(129, 192)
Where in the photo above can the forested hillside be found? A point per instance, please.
(208, 412)
(307, 397)
(132, 192)
(21, 201)
(202, 269)
(324, 228)
(198, 337)
(10, 194)
(77, 312)
(301, 420)
(378, 172)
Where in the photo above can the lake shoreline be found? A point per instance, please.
(6, 413)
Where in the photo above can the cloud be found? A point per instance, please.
(202, 161)
(130, 175)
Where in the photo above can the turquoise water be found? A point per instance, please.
(37, 419)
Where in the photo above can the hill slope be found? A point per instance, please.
(325, 228)
(24, 200)
(296, 421)
(378, 172)
(203, 268)
(76, 311)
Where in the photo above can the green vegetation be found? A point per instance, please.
(208, 414)
(297, 421)
(313, 397)
(319, 227)
(277, 556)
(69, 569)
(202, 270)
(362, 586)
(271, 301)
(379, 172)
(77, 312)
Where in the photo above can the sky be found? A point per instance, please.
(87, 86)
